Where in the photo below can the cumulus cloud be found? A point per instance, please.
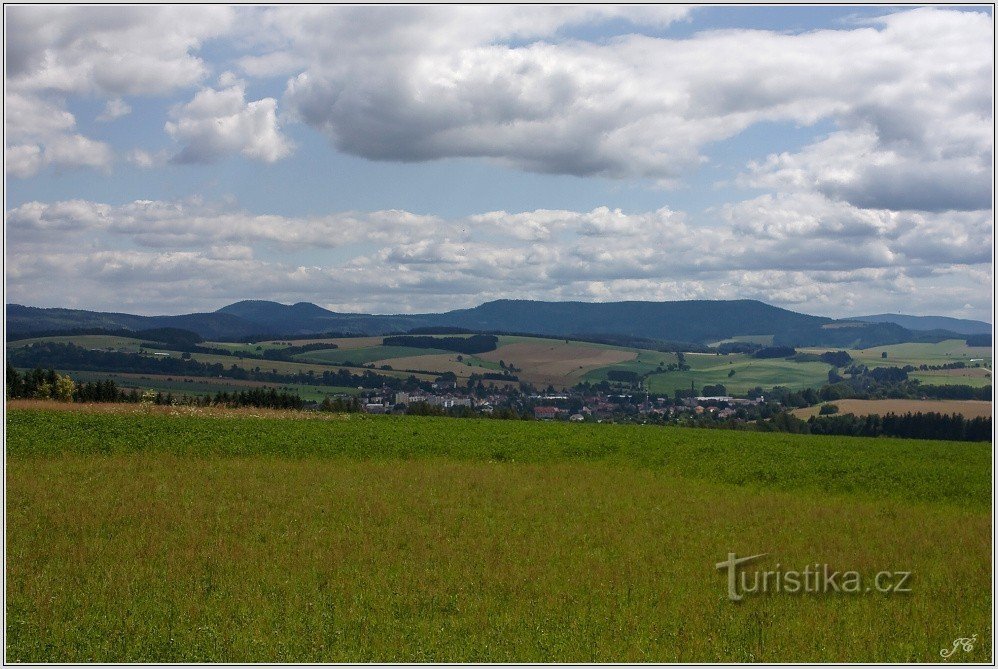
(41, 134)
(109, 50)
(56, 51)
(913, 87)
(115, 109)
(396, 260)
(221, 122)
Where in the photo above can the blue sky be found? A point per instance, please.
(831, 160)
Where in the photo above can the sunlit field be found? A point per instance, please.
(184, 535)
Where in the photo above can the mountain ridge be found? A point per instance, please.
(921, 323)
(692, 321)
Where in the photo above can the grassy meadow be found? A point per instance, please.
(169, 534)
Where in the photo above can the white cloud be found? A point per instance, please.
(217, 123)
(112, 51)
(917, 84)
(115, 109)
(839, 260)
(41, 134)
(56, 51)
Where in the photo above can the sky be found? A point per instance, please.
(395, 159)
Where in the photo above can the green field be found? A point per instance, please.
(284, 367)
(156, 536)
(748, 373)
(362, 356)
(941, 378)
(198, 385)
(899, 355)
(103, 342)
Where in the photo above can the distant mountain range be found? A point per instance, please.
(958, 325)
(693, 321)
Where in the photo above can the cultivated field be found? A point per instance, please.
(749, 372)
(379, 355)
(898, 355)
(168, 534)
(965, 408)
(102, 342)
(553, 361)
(562, 364)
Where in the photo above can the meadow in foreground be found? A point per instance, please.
(158, 537)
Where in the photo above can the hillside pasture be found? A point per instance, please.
(203, 385)
(379, 355)
(282, 366)
(899, 355)
(338, 342)
(101, 342)
(748, 373)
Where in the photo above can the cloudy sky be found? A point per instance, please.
(831, 160)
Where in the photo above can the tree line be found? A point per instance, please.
(71, 356)
(929, 425)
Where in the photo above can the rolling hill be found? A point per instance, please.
(691, 321)
(958, 325)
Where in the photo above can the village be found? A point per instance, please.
(572, 405)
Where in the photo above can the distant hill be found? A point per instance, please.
(306, 318)
(23, 319)
(958, 325)
(691, 321)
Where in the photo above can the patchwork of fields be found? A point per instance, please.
(564, 363)
(171, 534)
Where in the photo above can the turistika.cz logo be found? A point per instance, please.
(815, 578)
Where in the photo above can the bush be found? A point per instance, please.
(828, 409)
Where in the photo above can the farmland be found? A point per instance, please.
(748, 373)
(951, 350)
(196, 385)
(420, 539)
(966, 408)
(565, 363)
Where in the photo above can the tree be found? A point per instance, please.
(15, 386)
(64, 388)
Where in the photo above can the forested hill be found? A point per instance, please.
(213, 325)
(960, 325)
(692, 321)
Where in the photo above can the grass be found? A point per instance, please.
(947, 378)
(285, 367)
(748, 373)
(899, 355)
(362, 356)
(200, 385)
(102, 342)
(174, 536)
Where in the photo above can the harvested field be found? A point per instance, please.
(966, 408)
(437, 362)
(555, 362)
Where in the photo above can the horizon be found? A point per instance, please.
(403, 313)
(420, 159)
